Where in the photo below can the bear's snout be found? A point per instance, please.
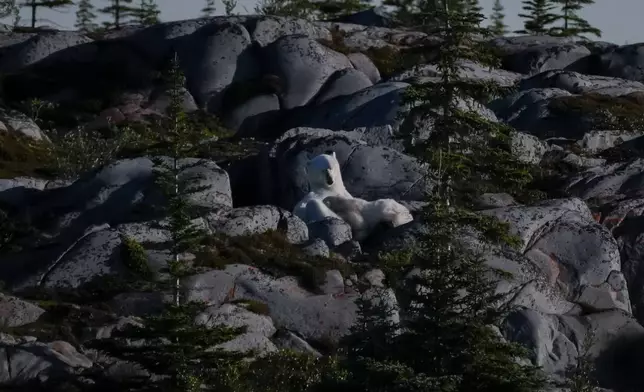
(328, 177)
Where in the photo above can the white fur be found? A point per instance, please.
(363, 216)
(329, 198)
(319, 170)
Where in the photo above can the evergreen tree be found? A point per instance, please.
(498, 27)
(580, 377)
(473, 6)
(310, 9)
(85, 16)
(209, 9)
(294, 8)
(330, 9)
(121, 11)
(180, 139)
(148, 13)
(445, 341)
(7, 8)
(51, 4)
(229, 6)
(173, 347)
(538, 16)
(573, 24)
(408, 12)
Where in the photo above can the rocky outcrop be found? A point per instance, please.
(305, 88)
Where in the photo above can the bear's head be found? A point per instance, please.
(323, 172)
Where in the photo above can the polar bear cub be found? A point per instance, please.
(325, 179)
(363, 216)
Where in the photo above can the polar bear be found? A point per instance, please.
(363, 216)
(329, 198)
(325, 179)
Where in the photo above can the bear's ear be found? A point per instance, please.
(333, 154)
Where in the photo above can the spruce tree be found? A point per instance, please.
(580, 377)
(180, 139)
(473, 6)
(573, 25)
(498, 27)
(445, 341)
(120, 11)
(229, 6)
(148, 12)
(51, 4)
(209, 9)
(330, 9)
(309, 9)
(85, 16)
(7, 8)
(538, 16)
(175, 349)
(407, 12)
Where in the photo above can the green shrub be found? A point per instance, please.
(289, 371)
(605, 112)
(134, 257)
(272, 253)
(254, 306)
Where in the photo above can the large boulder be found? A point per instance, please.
(369, 172)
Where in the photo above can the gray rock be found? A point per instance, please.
(571, 249)
(577, 83)
(375, 277)
(362, 63)
(494, 200)
(256, 220)
(376, 16)
(527, 148)
(333, 283)
(528, 111)
(622, 62)
(369, 172)
(216, 56)
(267, 29)
(15, 312)
(608, 182)
(93, 256)
(316, 247)
(343, 82)
(256, 343)
(369, 109)
(291, 307)
(35, 361)
(303, 65)
(138, 304)
(534, 54)
(247, 116)
(596, 141)
(555, 341)
(121, 324)
(234, 316)
(16, 123)
(332, 231)
(467, 70)
(159, 101)
(38, 47)
(285, 339)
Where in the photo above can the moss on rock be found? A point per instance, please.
(134, 257)
(21, 156)
(252, 305)
(388, 59)
(63, 321)
(272, 253)
(605, 112)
